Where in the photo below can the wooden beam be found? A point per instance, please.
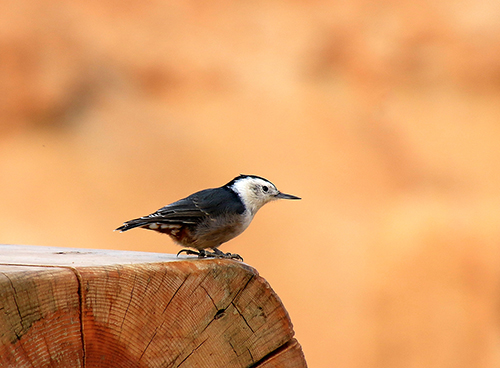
(63, 307)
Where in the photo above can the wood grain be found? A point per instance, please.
(101, 313)
(39, 317)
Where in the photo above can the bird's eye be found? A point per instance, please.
(265, 189)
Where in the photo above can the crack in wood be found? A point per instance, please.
(241, 290)
(200, 283)
(272, 354)
(80, 311)
(175, 293)
(20, 316)
(17, 306)
(191, 353)
(164, 310)
(234, 350)
(244, 319)
(220, 314)
(150, 341)
(215, 305)
(222, 309)
(129, 301)
(251, 356)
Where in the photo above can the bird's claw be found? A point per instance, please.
(189, 251)
(215, 254)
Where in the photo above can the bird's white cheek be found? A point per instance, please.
(256, 204)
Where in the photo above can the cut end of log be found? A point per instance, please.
(156, 313)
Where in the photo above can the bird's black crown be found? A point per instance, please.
(243, 176)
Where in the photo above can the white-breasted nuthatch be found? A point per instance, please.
(210, 217)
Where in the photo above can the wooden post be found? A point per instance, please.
(63, 307)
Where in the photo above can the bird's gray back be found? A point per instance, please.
(205, 203)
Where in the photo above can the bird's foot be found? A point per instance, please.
(220, 254)
(215, 254)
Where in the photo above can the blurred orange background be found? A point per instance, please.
(383, 116)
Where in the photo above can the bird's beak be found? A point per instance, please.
(286, 196)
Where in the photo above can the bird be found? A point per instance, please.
(208, 218)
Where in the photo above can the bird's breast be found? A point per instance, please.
(214, 231)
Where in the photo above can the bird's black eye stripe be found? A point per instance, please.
(265, 188)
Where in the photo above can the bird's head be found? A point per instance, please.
(256, 191)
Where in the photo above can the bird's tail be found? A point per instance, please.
(133, 223)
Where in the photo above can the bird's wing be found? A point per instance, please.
(192, 209)
(208, 202)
